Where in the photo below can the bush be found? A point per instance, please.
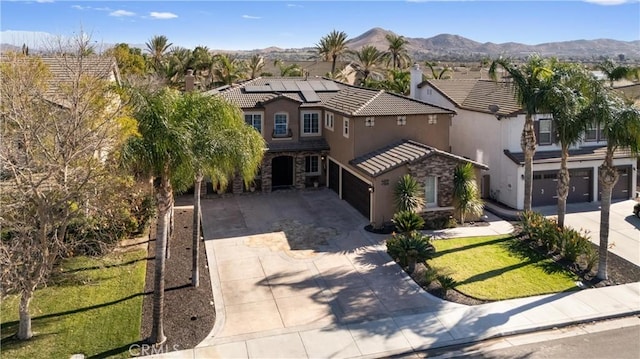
(407, 249)
(542, 230)
(408, 194)
(406, 221)
(636, 210)
(430, 274)
(574, 243)
(446, 282)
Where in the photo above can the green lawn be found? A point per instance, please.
(92, 306)
(499, 267)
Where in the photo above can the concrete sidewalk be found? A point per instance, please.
(337, 294)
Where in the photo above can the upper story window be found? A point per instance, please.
(281, 125)
(310, 123)
(370, 121)
(254, 119)
(544, 132)
(345, 127)
(328, 121)
(594, 133)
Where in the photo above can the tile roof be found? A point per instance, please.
(581, 154)
(317, 144)
(337, 96)
(399, 153)
(478, 95)
(64, 68)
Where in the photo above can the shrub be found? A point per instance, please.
(406, 221)
(408, 194)
(430, 274)
(574, 243)
(466, 196)
(636, 210)
(542, 230)
(407, 249)
(446, 282)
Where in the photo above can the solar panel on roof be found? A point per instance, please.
(330, 85)
(310, 96)
(304, 86)
(277, 85)
(290, 86)
(257, 88)
(316, 85)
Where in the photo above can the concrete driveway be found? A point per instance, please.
(300, 259)
(624, 227)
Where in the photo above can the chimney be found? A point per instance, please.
(189, 81)
(416, 79)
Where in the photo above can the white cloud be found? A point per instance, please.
(119, 13)
(294, 5)
(251, 17)
(77, 7)
(162, 15)
(43, 1)
(608, 2)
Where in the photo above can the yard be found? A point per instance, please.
(499, 267)
(91, 306)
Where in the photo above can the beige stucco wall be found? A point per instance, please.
(289, 107)
(342, 148)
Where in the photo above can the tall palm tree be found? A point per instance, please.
(332, 46)
(221, 144)
(161, 152)
(563, 95)
(201, 63)
(466, 195)
(157, 47)
(525, 83)
(255, 65)
(438, 75)
(613, 71)
(367, 59)
(291, 70)
(227, 70)
(397, 50)
(621, 126)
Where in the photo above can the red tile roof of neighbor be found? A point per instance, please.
(478, 95)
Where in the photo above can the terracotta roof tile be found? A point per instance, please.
(478, 95)
(317, 144)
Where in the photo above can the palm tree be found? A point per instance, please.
(201, 63)
(621, 126)
(255, 65)
(176, 64)
(408, 194)
(613, 71)
(221, 144)
(331, 47)
(442, 74)
(227, 70)
(525, 83)
(157, 48)
(563, 94)
(161, 151)
(291, 70)
(466, 195)
(397, 50)
(367, 60)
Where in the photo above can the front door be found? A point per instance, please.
(281, 172)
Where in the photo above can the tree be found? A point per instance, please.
(291, 70)
(442, 74)
(255, 65)
(408, 194)
(525, 82)
(397, 50)
(160, 151)
(57, 148)
(130, 60)
(221, 145)
(157, 47)
(612, 71)
(562, 95)
(621, 126)
(367, 59)
(227, 70)
(466, 196)
(331, 47)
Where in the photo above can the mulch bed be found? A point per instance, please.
(189, 312)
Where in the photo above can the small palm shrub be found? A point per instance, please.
(408, 194)
(636, 210)
(406, 221)
(446, 282)
(409, 248)
(575, 243)
(430, 274)
(466, 195)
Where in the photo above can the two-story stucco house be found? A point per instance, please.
(356, 141)
(487, 128)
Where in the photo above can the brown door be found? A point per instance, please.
(334, 176)
(356, 193)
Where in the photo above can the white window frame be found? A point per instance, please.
(402, 121)
(302, 119)
(593, 128)
(370, 121)
(345, 127)
(317, 163)
(286, 124)
(434, 203)
(550, 122)
(328, 121)
(252, 124)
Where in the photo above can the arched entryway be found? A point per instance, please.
(281, 172)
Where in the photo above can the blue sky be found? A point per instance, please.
(238, 25)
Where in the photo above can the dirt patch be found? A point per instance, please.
(189, 312)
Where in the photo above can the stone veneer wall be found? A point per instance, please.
(441, 167)
(298, 163)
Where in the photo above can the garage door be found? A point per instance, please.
(622, 188)
(545, 187)
(334, 176)
(356, 193)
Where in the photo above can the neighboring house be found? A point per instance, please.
(487, 129)
(356, 141)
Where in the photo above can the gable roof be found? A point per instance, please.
(477, 95)
(322, 92)
(399, 153)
